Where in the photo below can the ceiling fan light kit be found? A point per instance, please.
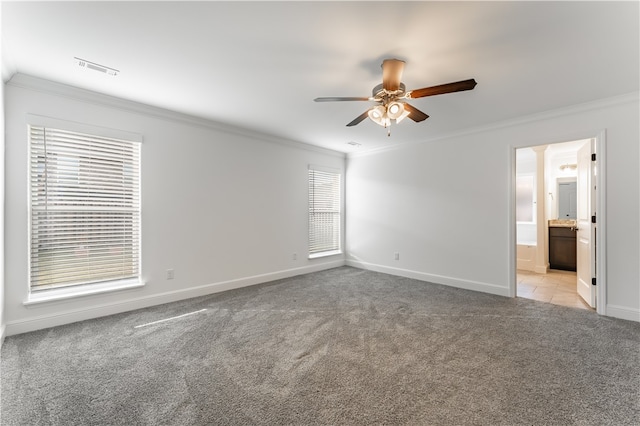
(391, 95)
(396, 111)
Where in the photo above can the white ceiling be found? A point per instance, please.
(259, 65)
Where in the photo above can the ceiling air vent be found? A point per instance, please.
(83, 63)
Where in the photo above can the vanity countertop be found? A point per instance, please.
(562, 223)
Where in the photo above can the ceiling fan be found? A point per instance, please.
(391, 97)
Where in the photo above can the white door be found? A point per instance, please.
(585, 241)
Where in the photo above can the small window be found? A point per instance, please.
(324, 212)
(525, 199)
(84, 210)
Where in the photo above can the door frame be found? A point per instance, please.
(599, 235)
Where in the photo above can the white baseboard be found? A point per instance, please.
(541, 269)
(2, 333)
(70, 316)
(432, 278)
(623, 312)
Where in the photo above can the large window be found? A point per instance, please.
(324, 211)
(84, 210)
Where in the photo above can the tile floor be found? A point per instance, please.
(557, 287)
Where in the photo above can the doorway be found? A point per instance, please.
(554, 202)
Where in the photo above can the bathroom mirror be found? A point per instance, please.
(567, 205)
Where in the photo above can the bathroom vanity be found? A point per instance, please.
(562, 244)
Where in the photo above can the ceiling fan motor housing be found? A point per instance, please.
(380, 93)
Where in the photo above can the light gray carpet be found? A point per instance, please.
(338, 347)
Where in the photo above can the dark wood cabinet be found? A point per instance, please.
(562, 248)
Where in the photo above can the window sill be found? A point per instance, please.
(325, 254)
(59, 294)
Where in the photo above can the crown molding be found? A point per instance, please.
(37, 84)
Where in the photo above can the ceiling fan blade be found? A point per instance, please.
(359, 119)
(392, 74)
(338, 99)
(415, 114)
(458, 86)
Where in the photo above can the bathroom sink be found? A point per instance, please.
(562, 223)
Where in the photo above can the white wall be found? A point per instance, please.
(2, 319)
(444, 205)
(222, 207)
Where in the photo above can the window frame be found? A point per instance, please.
(337, 248)
(58, 292)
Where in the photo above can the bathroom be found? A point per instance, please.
(546, 192)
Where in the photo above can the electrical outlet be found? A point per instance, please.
(294, 256)
(170, 274)
(396, 256)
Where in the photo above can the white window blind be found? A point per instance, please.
(84, 209)
(324, 211)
